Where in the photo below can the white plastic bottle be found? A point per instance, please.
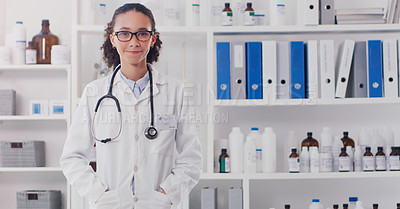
(326, 140)
(290, 142)
(304, 160)
(277, 12)
(316, 204)
(363, 139)
(268, 139)
(236, 142)
(350, 152)
(388, 135)
(249, 155)
(358, 156)
(19, 34)
(256, 136)
(325, 162)
(314, 160)
(195, 12)
(87, 12)
(353, 202)
(359, 205)
(171, 13)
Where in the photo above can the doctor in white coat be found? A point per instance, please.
(133, 171)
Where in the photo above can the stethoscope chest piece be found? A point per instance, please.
(151, 133)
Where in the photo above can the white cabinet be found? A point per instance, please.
(35, 82)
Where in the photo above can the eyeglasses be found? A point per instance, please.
(125, 36)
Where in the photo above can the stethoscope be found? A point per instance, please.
(150, 132)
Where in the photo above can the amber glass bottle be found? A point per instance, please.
(309, 141)
(43, 42)
(380, 160)
(224, 164)
(294, 162)
(347, 141)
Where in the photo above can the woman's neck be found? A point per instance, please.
(134, 72)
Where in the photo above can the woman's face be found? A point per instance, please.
(132, 52)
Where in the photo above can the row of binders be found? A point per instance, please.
(307, 70)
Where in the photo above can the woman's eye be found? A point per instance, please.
(124, 33)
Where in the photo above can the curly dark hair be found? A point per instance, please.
(110, 55)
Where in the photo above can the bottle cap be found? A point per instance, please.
(380, 148)
(375, 205)
(18, 22)
(309, 134)
(45, 22)
(227, 4)
(223, 150)
(343, 149)
(335, 206)
(398, 204)
(254, 129)
(353, 199)
(345, 133)
(287, 206)
(249, 4)
(368, 149)
(345, 205)
(315, 200)
(294, 149)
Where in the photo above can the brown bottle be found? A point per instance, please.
(345, 206)
(398, 205)
(224, 164)
(375, 206)
(309, 141)
(368, 160)
(380, 160)
(227, 8)
(43, 42)
(347, 141)
(294, 162)
(344, 161)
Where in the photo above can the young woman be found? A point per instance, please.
(147, 151)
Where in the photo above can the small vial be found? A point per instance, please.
(294, 162)
(30, 55)
(368, 160)
(227, 15)
(380, 160)
(344, 161)
(224, 164)
(249, 18)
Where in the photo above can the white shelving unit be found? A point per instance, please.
(35, 82)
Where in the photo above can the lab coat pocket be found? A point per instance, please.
(108, 200)
(161, 201)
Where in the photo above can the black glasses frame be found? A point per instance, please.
(117, 32)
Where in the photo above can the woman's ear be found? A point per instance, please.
(112, 41)
(153, 39)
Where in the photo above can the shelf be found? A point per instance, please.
(299, 176)
(38, 67)
(29, 169)
(293, 102)
(259, 29)
(32, 117)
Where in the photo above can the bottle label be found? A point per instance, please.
(358, 164)
(216, 11)
(294, 164)
(225, 165)
(196, 9)
(394, 163)
(227, 18)
(280, 8)
(171, 13)
(380, 162)
(249, 18)
(30, 56)
(368, 163)
(326, 164)
(344, 163)
(314, 164)
(326, 149)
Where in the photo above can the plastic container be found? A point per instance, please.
(19, 35)
(195, 12)
(256, 136)
(60, 55)
(236, 142)
(268, 150)
(336, 149)
(5, 55)
(326, 140)
(304, 160)
(358, 155)
(249, 155)
(277, 12)
(314, 160)
(316, 204)
(326, 161)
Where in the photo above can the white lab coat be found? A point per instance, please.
(172, 161)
